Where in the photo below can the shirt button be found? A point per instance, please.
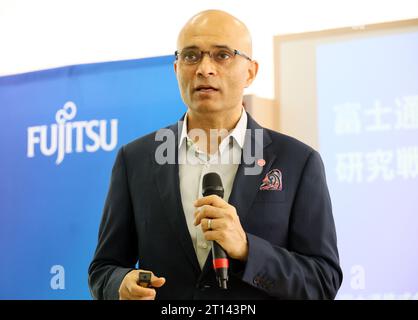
(203, 245)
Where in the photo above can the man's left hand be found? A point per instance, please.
(225, 226)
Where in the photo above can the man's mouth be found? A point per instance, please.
(205, 88)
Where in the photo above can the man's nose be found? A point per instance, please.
(206, 66)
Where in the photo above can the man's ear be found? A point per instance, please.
(252, 72)
(175, 66)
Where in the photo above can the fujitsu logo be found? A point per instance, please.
(65, 137)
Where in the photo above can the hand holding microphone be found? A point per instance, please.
(220, 223)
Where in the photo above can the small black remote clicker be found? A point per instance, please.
(144, 279)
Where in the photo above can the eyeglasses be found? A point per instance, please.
(222, 55)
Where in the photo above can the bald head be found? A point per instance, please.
(212, 87)
(212, 27)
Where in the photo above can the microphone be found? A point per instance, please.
(212, 184)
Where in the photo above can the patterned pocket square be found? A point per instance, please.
(272, 180)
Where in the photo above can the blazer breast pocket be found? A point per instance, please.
(270, 196)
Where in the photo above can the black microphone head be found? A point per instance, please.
(212, 184)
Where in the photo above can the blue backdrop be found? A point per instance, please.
(60, 130)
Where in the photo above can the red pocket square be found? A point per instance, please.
(272, 180)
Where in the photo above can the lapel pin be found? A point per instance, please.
(261, 162)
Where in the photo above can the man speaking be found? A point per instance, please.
(208, 225)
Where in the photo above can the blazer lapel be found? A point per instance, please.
(246, 185)
(168, 185)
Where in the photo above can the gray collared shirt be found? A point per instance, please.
(194, 164)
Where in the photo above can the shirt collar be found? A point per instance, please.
(238, 133)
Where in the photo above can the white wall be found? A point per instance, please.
(43, 34)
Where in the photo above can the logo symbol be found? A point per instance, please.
(63, 136)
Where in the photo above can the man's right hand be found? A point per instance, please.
(130, 290)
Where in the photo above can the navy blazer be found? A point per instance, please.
(291, 233)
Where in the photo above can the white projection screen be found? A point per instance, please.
(352, 94)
